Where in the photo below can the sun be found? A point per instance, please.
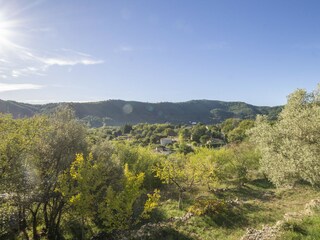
(7, 29)
(11, 28)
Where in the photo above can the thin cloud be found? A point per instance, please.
(3, 60)
(17, 61)
(128, 48)
(7, 87)
(69, 62)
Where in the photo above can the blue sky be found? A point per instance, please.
(158, 50)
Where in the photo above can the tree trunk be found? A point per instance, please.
(53, 220)
(22, 222)
(35, 222)
(34, 227)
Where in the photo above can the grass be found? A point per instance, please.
(260, 204)
(306, 229)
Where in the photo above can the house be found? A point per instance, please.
(165, 141)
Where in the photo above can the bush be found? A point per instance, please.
(208, 207)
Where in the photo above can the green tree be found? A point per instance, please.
(239, 133)
(184, 134)
(179, 170)
(243, 163)
(290, 147)
(139, 159)
(184, 148)
(54, 152)
(97, 202)
(18, 177)
(127, 128)
(198, 131)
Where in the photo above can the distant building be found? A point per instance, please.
(165, 141)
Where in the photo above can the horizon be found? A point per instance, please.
(140, 102)
(158, 51)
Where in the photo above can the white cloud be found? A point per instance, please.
(6, 87)
(69, 62)
(17, 61)
(3, 60)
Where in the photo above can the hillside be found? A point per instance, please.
(119, 112)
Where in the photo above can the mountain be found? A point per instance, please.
(119, 112)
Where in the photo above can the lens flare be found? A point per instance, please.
(10, 28)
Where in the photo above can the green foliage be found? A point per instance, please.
(186, 171)
(197, 132)
(117, 209)
(240, 165)
(33, 154)
(139, 159)
(239, 133)
(184, 148)
(102, 198)
(184, 134)
(307, 228)
(73, 184)
(126, 129)
(290, 147)
(207, 206)
(151, 203)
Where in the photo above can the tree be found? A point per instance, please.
(53, 154)
(184, 148)
(243, 162)
(239, 133)
(198, 131)
(117, 209)
(18, 177)
(184, 134)
(139, 159)
(204, 162)
(290, 147)
(127, 128)
(180, 170)
(100, 203)
(85, 184)
(229, 124)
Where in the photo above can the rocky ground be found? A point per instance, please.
(272, 232)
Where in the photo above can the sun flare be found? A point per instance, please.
(9, 30)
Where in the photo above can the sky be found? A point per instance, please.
(158, 50)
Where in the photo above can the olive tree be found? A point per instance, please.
(290, 147)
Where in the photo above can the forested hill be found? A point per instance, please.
(119, 112)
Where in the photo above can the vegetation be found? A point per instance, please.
(118, 112)
(307, 228)
(60, 179)
(290, 147)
